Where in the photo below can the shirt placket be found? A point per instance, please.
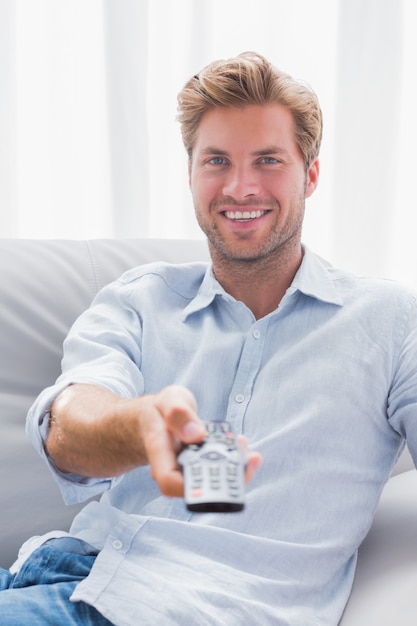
(248, 368)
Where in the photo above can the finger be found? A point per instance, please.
(162, 456)
(170, 481)
(179, 410)
(253, 459)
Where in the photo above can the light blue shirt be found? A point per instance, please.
(325, 387)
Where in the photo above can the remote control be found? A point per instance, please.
(214, 471)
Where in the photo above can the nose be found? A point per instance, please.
(241, 182)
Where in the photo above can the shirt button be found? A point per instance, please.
(239, 397)
(256, 333)
(117, 544)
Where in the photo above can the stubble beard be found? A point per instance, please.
(276, 245)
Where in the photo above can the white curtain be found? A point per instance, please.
(89, 145)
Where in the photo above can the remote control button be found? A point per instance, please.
(213, 456)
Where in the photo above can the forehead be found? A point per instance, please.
(251, 127)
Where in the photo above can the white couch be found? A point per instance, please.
(44, 285)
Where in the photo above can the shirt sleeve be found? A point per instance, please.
(402, 398)
(103, 348)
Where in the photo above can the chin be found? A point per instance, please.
(236, 254)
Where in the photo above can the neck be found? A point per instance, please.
(260, 283)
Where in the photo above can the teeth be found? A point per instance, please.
(244, 215)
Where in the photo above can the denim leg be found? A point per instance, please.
(39, 593)
(5, 578)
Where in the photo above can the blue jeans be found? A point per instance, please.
(39, 593)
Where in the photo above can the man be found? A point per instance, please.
(315, 367)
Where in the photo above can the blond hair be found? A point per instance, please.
(250, 79)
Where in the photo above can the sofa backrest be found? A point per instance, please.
(44, 286)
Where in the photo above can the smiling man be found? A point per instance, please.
(249, 183)
(314, 368)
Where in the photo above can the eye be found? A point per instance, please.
(217, 160)
(269, 160)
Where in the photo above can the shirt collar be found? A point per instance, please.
(313, 279)
(209, 289)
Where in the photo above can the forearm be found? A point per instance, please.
(94, 432)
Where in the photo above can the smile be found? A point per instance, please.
(244, 215)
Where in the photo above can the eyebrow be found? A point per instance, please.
(212, 150)
(262, 152)
(270, 150)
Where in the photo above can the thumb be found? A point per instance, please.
(178, 407)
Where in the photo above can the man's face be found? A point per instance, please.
(248, 181)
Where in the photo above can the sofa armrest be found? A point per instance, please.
(385, 588)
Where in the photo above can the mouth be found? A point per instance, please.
(244, 216)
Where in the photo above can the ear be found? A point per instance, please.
(312, 178)
(189, 172)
